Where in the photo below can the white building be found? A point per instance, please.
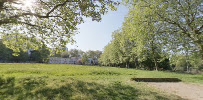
(59, 60)
(72, 60)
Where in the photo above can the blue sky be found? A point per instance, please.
(96, 35)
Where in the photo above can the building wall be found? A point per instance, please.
(72, 60)
(59, 60)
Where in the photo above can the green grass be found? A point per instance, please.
(63, 82)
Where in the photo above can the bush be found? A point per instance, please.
(180, 63)
(195, 61)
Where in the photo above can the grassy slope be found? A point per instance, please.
(43, 81)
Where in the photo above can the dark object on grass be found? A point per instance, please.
(156, 79)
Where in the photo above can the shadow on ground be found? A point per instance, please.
(39, 88)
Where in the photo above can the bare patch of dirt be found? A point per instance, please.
(184, 90)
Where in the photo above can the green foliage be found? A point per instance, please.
(65, 54)
(51, 22)
(181, 63)
(195, 61)
(165, 64)
(22, 57)
(93, 54)
(119, 51)
(41, 55)
(8, 55)
(75, 53)
(181, 21)
(153, 31)
(5, 53)
(138, 42)
(84, 59)
(18, 42)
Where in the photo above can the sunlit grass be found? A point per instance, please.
(55, 81)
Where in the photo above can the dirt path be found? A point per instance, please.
(184, 90)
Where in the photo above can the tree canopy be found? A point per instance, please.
(50, 22)
(180, 19)
(156, 30)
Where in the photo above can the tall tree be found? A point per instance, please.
(84, 59)
(116, 53)
(41, 55)
(51, 21)
(65, 54)
(180, 17)
(119, 51)
(105, 57)
(5, 53)
(22, 57)
(75, 53)
(94, 55)
(143, 28)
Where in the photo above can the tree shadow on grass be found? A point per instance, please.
(37, 88)
(6, 86)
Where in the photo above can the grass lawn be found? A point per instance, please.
(64, 82)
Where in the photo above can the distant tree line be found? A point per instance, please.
(81, 55)
(158, 35)
(39, 56)
(42, 55)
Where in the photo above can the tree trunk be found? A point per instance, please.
(156, 64)
(154, 56)
(127, 66)
(201, 53)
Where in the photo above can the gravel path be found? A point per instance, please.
(184, 90)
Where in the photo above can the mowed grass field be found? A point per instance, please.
(76, 82)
